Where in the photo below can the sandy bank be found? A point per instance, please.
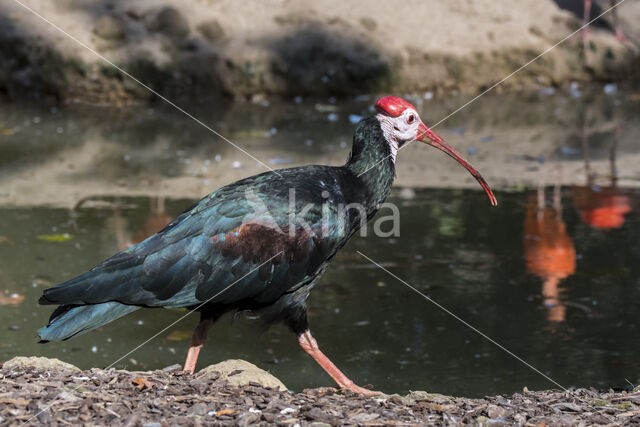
(215, 49)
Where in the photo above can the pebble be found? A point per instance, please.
(354, 118)
(211, 30)
(280, 161)
(170, 22)
(610, 88)
(110, 27)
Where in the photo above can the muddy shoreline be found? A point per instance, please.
(524, 140)
(47, 391)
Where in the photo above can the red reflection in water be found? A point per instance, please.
(549, 251)
(604, 208)
(155, 222)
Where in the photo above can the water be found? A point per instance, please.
(552, 274)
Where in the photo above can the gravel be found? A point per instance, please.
(169, 397)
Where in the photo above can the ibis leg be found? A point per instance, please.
(198, 338)
(309, 344)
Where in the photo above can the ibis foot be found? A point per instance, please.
(309, 344)
(361, 390)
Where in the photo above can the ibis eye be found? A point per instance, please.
(411, 119)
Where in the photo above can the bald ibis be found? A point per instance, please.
(238, 248)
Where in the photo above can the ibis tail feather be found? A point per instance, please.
(69, 320)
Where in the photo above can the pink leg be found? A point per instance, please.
(309, 344)
(197, 341)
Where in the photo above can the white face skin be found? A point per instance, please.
(399, 130)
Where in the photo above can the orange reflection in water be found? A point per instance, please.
(11, 299)
(549, 251)
(603, 208)
(156, 221)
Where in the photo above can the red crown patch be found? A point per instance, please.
(392, 105)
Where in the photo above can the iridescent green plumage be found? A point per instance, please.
(237, 248)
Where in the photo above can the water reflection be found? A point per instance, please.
(126, 233)
(396, 341)
(605, 207)
(549, 251)
(155, 221)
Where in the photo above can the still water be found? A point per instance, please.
(552, 274)
(553, 285)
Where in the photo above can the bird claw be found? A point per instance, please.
(360, 390)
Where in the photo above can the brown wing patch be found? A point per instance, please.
(257, 243)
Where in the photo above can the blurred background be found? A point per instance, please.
(92, 162)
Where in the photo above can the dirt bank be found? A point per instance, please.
(50, 392)
(215, 48)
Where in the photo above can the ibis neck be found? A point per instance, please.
(371, 161)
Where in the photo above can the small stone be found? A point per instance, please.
(211, 30)
(44, 417)
(199, 409)
(240, 372)
(407, 193)
(110, 27)
(170, 22)
(65, 395)
(248, 419)
(135, 13)
(368, 23)
(39, 363)
(495, 411)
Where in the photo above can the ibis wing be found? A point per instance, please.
(227, 248)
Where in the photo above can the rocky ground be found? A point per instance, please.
(50, 392)
(217, 49)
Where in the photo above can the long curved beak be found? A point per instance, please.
(428, 136)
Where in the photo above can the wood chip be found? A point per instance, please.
(142, 383)
(15, 401)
